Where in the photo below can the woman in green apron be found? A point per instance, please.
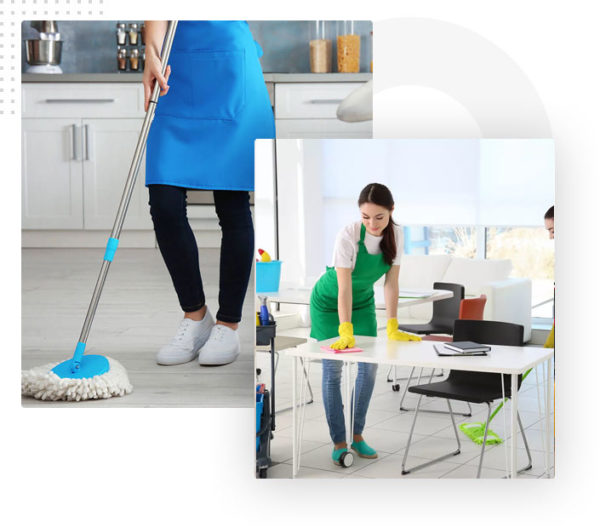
(342, 304)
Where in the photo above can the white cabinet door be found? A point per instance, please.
(322, 128)
(108, 146)
(51, 174)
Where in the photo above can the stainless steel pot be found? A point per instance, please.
(39, 52)
(45, 26)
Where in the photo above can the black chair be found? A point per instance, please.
(445, 312)
(472, 387)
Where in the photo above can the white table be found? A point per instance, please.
(501, 360)
(406, 297)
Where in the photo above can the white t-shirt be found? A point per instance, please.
(346, 245)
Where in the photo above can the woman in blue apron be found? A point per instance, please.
(343, 304)
(213, 105)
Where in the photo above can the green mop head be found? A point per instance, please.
(475, 431)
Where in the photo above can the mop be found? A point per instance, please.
(85, 377)
(476, 431)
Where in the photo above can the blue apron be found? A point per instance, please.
(203, 132)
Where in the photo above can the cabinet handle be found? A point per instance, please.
(80, 100)
(86, 135)
(325, 101)
(74, 143)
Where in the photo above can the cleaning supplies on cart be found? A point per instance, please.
(263, 315)
(264, 256)
(268, 273)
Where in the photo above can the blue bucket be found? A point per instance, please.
(267, 276)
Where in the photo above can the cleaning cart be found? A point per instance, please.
(265, 401)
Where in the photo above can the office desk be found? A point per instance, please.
(407, 297)
(501, 360)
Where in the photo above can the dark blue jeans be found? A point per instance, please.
(180, 252)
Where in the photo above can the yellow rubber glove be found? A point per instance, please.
(550, 339)
(346, 339)
(396, 335)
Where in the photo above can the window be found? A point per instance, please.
(532, 256)
(529, 249)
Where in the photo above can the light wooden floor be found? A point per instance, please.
(138, 313)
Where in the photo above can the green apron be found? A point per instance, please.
(324, 298)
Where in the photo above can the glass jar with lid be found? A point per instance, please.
(319, 48)
(133, 34)
(121, 34)
(134, 60)
(348, 48)
(122, 59)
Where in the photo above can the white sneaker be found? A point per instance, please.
(222, 347)
(186, 343)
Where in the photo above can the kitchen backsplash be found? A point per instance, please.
(91, 47)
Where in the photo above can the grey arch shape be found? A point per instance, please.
(465, 66)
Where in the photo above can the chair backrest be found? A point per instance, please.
(490, 333)
(445, 312)
(472, 308)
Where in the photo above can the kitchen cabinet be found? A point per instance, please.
(74, 169)
(52, 181)
(308, 110)
(78, 138)
(108, 149)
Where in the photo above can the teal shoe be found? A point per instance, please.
(364, 450)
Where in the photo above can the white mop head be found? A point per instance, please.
(43, 384)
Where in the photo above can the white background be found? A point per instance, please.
(193, 467)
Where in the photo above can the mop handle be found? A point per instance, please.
(113, 241)
(505, 400)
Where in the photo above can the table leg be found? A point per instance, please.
(541, 399)
(294, 424)
(513, 423)
(507, 472)
(348, 406)
(549, 395)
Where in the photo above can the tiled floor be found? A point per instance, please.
(138, 313)
(387, 430)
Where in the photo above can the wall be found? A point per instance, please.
(91, 47)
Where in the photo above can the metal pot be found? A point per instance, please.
(39, 52)
(45, 26)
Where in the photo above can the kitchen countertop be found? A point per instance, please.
(137, 77)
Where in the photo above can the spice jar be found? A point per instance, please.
(143, 34)
(348, 48)
(121, 35)
(134, 60)
(320, 49)
(133, 34)
(122, 59)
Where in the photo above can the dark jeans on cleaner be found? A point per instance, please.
(180, 252)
